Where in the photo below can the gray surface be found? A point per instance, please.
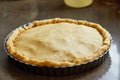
(14, 13)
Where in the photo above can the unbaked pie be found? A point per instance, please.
(58, 42)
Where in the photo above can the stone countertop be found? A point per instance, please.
(14, 13)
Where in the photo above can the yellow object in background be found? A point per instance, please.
(78, 3)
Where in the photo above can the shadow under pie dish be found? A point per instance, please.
(58, 46)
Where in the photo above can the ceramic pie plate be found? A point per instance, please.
(56, 71)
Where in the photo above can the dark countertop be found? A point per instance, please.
(14, 13)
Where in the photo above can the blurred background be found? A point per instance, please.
(14, 13)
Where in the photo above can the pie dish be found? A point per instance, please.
(58, 44)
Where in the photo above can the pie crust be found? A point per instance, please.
(49, 59)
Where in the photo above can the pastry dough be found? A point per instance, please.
(58, 42)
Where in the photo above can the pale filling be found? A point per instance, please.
(59, 42)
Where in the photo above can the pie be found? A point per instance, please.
(58, 42)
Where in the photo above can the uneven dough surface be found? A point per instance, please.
(59, 42)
